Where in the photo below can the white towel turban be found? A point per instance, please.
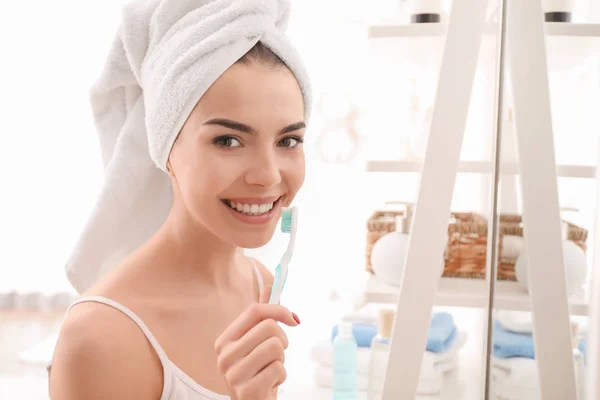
(166, 54)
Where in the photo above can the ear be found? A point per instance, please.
(169, 165)
(170, 168)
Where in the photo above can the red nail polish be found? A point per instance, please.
(296, 318)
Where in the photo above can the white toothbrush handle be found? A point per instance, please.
(278, 282)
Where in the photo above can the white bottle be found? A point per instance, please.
(558, 10)
(576, 269)
(380, 347)
(426, 11)
(389, 252)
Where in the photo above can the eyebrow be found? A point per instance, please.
(238, 126)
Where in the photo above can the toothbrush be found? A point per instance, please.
(289, 224)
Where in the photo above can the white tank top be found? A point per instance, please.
(177, 385)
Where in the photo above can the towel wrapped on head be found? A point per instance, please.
(165, 56)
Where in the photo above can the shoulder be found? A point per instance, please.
(266, 275)
(101, 353)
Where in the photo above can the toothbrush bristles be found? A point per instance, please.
(286, 220)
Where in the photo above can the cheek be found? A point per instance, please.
(295, 174)
(205, 179)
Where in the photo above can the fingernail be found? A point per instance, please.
(296, 318)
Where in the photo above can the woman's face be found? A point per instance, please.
(239, 157)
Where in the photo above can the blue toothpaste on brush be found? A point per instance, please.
(289, 223)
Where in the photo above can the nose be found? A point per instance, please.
(264, 170)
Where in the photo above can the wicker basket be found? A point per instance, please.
(466, 250)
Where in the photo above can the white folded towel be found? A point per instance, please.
(518, 378)
(432, 365)
(515, 321)
(506, 392)
(165, 56)
(514, 379)
(517, 372)
(427, 386)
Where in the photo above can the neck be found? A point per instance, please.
(193, 253)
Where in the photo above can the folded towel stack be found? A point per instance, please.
(514, 368)
(508, 344)
(518, 379)
(442, 333)
(515, 379)
(441, 355)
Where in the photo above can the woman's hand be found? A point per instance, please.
(250, 353)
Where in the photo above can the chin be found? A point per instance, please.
(253, 240)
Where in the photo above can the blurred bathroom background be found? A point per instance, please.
(373, 106)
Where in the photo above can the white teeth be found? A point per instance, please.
(251, 209)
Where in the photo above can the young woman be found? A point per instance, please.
(184, 317)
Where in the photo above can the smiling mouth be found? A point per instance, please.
(251, 209)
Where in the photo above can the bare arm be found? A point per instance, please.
(102, 354)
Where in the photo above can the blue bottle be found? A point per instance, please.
(344, 363)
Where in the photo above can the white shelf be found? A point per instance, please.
(568, 44)
(470, 293)
(572, 30)
(479, 167)
(394, 30)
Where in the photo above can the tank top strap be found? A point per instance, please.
(133, 316)
(259, 278)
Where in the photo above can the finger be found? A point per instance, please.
(239, 349)
(265, 294)
(261, 357)
(252, 316)
(265, 383)
(271, 376)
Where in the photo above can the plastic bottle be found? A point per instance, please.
(344, 363)
(380, 346)
(426, 11)
(389, 252)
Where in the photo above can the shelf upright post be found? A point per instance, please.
(527, 62)
(424, 260)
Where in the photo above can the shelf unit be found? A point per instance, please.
(469, 293)
(472, 293)
(391, 29)
(479, 167)
(424, 42)
(580, 41)
(451, 48)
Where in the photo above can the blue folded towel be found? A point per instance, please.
(442, 333)
(511, 344)
(583, 347)
(363, 333)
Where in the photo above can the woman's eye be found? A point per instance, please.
(290, 141)
(227, 141)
